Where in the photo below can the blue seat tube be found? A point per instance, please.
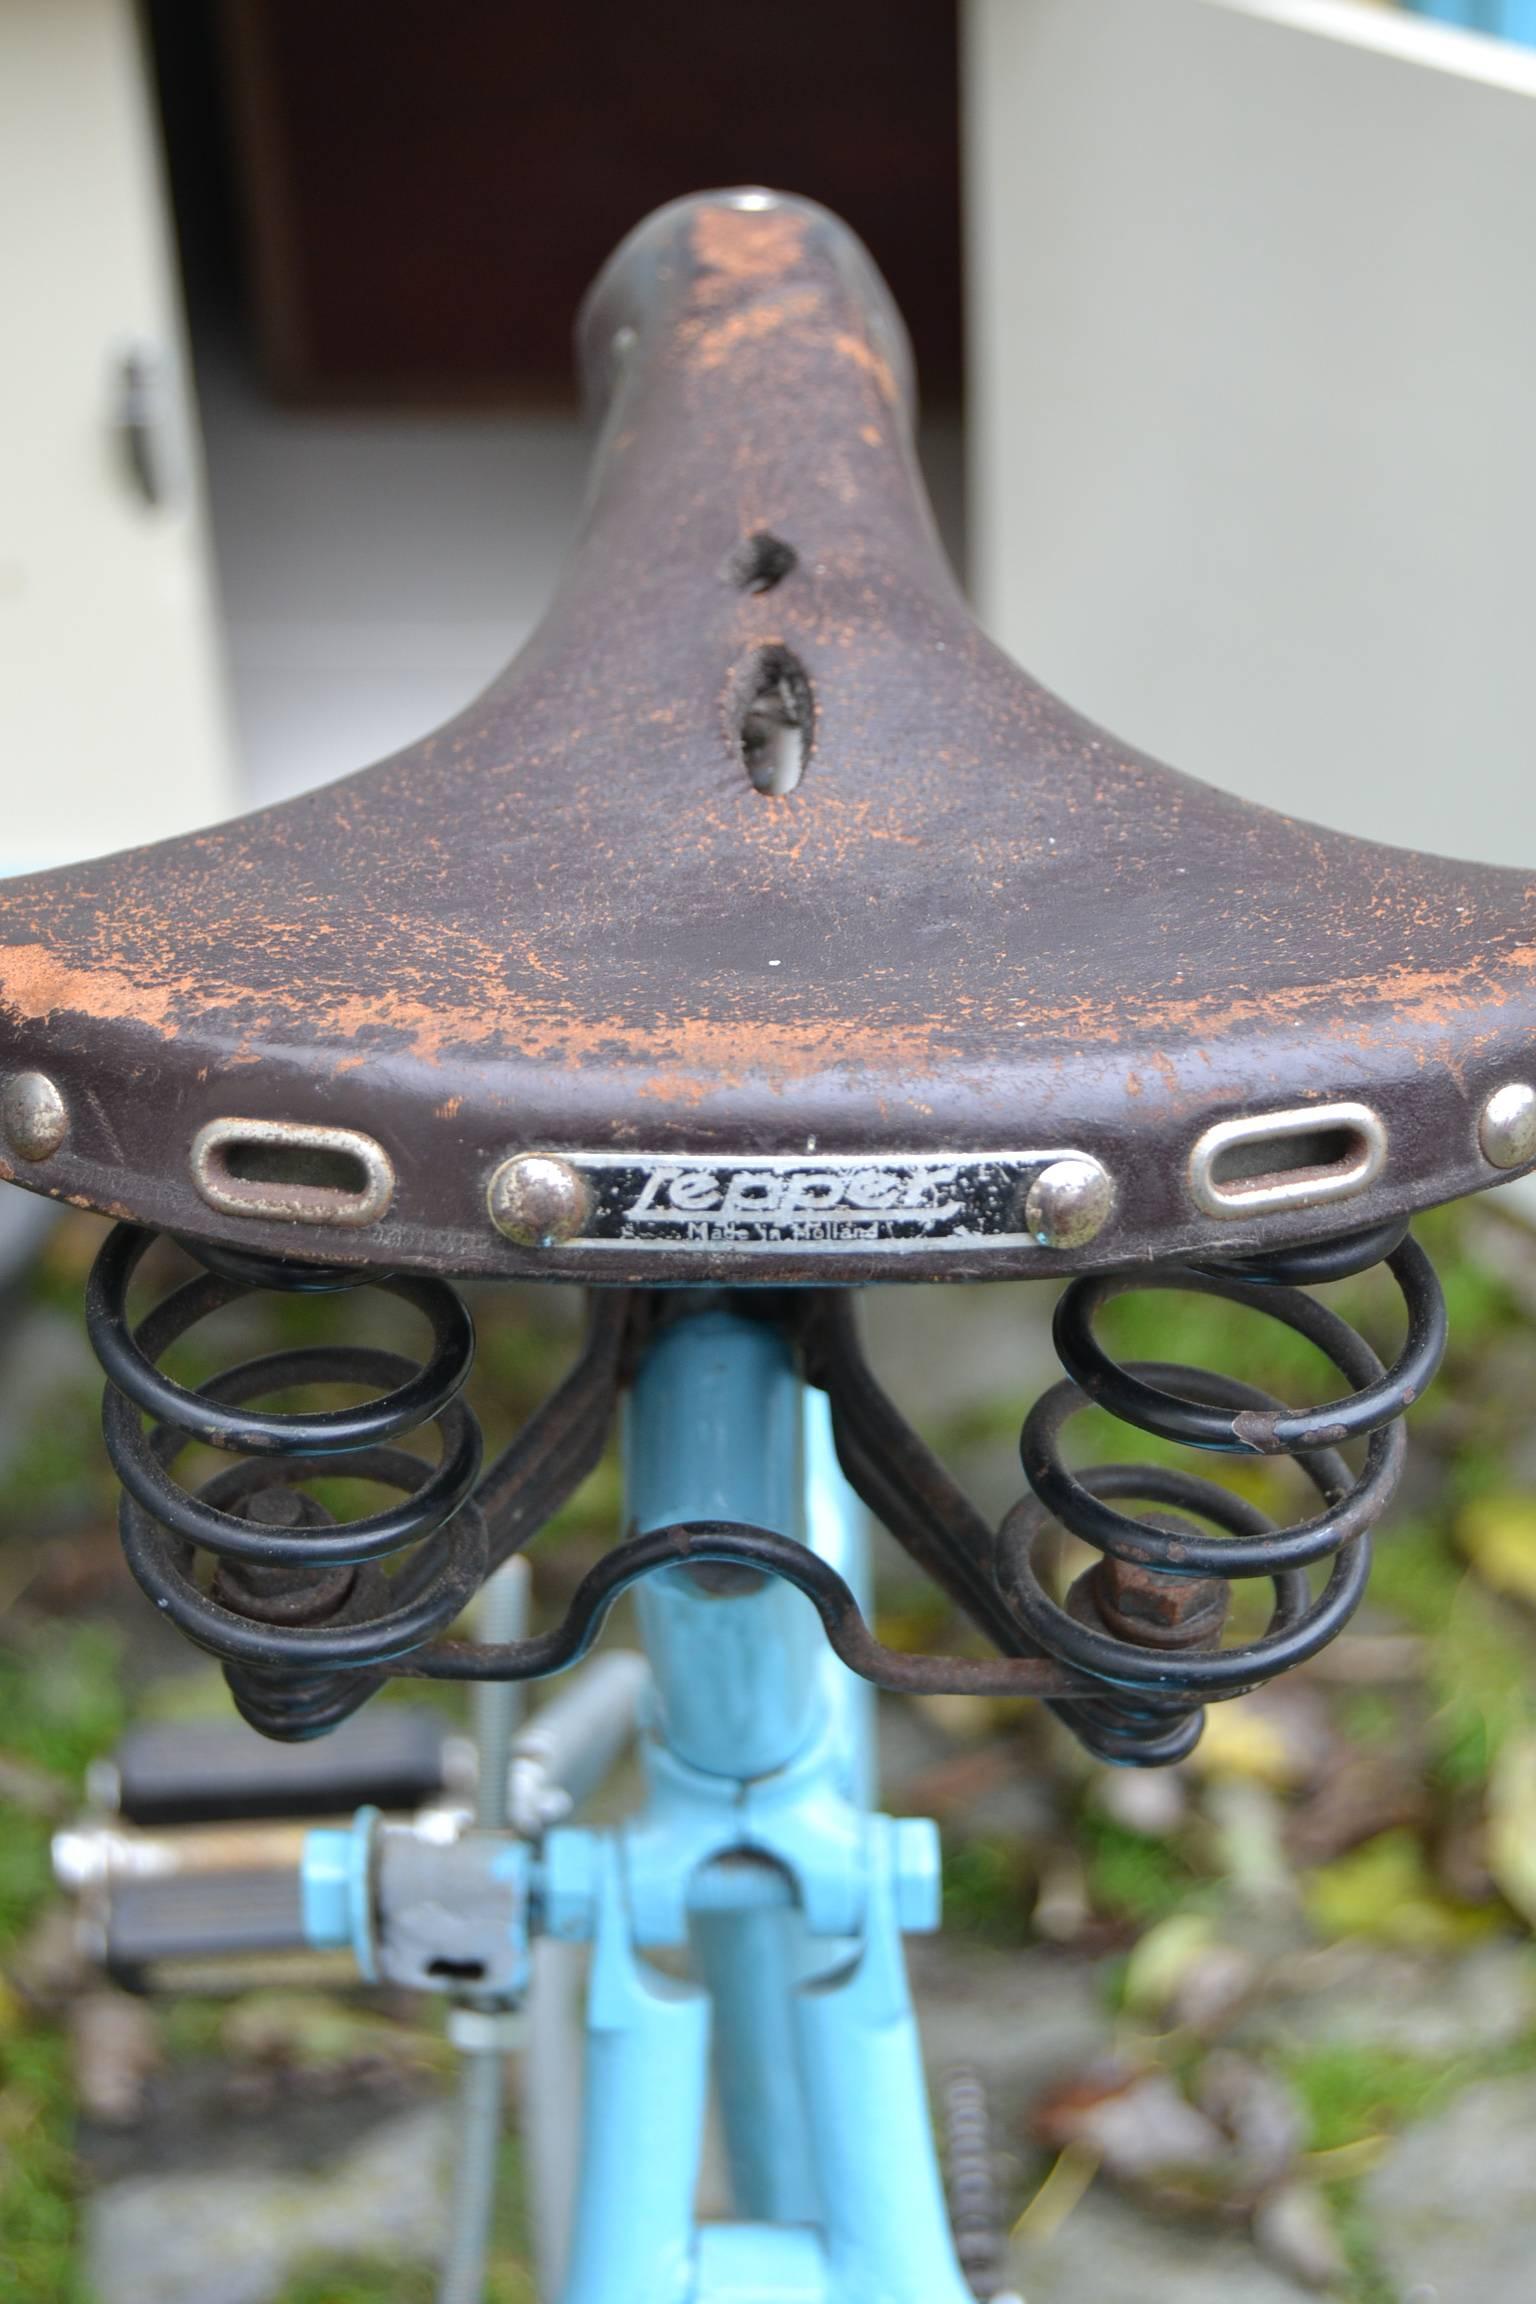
(715, 1430)
(744, 1684)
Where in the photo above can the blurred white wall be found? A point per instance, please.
(111, 724)
(1254, 378)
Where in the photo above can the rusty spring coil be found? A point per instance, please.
(1146, 1621)
(299, 1609)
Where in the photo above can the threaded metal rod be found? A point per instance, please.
(502, 1616)
(974, 2208)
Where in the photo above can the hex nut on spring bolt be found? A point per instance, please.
(33, 1115)
(1069, 1202)
(1507, 1129)
(539, 1201)
(1155, 1609)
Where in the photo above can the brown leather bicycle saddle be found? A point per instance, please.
(840, 1030)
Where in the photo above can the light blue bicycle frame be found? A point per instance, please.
(757, 1848)
(758, 1845)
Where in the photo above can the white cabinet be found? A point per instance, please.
(111, 722)
(1253, 307)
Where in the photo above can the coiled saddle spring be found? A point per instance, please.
(1146, 1620)
(309, 1614)
(300, 1608)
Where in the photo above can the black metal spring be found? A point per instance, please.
(1146, 1622)
(300, 1610)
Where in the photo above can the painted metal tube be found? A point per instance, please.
(744, 1680)
(646, 2086)
(753, 1966)
(551, 2077)
(502, 1614)
(885, 2222)
(750, 1962)
(575, 1738)
(565, 1750)
(714, 1431)
(838, 1530)
(820, 2080)
(717, 1429)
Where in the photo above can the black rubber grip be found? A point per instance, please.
(202, 1916)
(212, 1770)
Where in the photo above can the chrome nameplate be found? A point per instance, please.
(807, 1201)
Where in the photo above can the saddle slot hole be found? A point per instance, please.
(1287, 1160)
(760, 561)
(316, 1167)
(775, 720)
(292, 1172)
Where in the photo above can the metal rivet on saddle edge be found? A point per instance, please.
(1507, 1129)
(1069, 1202)
(539, 1201)
(34, 1117)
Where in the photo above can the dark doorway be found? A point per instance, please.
(426, 191)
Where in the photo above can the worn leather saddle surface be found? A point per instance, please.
(830, 1031)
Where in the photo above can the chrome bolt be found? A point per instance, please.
(1507, 1129)
(1069, 1202)
(539, 1201)
(33, 1115)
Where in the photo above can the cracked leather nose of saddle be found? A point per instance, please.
(802, 931)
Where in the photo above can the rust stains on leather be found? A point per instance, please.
(37, 983)
(863, 355)
(734, 243)
(714, 341)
